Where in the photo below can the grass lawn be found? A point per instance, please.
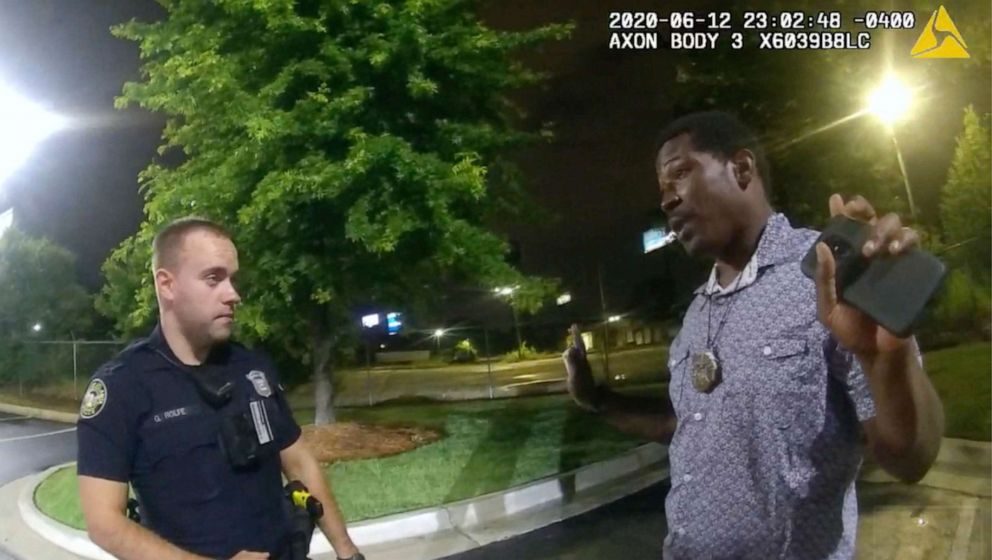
(56, 396)
(488, 446)
(963, 378)
(57, 497)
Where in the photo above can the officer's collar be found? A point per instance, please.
(218, 354)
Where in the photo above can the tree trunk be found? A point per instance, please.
(323, 374)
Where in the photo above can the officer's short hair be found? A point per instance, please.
(719, 134)
(169, 240)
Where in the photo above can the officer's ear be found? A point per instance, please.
(165, 284)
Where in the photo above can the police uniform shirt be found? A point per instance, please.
(143, 421)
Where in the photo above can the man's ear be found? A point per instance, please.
(165, 284)
(744, 169)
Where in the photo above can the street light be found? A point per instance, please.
(437, 338)
(25, 125)
(890, 102)
(507, 292)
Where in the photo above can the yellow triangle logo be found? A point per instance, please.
(940, 39)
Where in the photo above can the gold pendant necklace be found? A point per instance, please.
(705, 371)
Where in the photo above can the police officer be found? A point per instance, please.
(197, 424)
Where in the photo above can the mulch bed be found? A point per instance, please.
(346, 441)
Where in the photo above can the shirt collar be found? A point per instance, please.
(743, 280)
(772, 249)
(157, 341)
(218, 354)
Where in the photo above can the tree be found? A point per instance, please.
(800, 101)
(355, 149)
(38, 287)
(966, 200)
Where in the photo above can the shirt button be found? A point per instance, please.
(697, 416)
(687, 478)
(767, 350)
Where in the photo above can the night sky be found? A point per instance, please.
(80, 187)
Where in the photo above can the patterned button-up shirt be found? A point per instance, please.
(764, 465)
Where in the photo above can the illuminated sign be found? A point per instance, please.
(656, 238)
(393, 323)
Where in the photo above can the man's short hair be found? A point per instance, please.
(720, 134)
(169, 240)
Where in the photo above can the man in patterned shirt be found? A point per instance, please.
(776, 387)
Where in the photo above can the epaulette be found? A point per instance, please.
(240, 352)
(121, 359)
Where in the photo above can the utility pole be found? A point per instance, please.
(606, 323)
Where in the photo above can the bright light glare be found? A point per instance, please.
(890, 101)
(24, 126)
(369, 321)
(505, 291)
(6, 220)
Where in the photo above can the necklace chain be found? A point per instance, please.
(723, 320)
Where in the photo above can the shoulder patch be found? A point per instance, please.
(94, 399)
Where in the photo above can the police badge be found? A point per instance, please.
(260, 382)
(706, 374)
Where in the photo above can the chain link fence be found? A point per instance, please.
(54, 368)
(477, 362)
(454, 363)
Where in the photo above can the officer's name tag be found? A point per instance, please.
(166, 416)
(261, 419)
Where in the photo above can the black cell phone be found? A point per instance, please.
(892, 290)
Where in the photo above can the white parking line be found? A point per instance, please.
(966, 523)
(14, 418)
(536, 382)
(33, 436)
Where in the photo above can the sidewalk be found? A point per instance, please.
(359, 387)
(481, 367)
(948, 514)
(915, 522)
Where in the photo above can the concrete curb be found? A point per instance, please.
(64, 417)
(473, 522)
(72, 540)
